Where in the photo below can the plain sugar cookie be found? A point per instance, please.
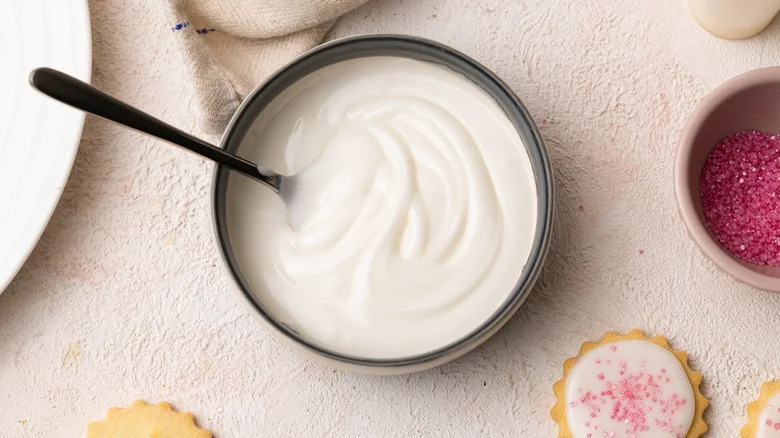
(140, 420)
(629, 386)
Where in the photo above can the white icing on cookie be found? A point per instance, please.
(769, 419)
(629, 389)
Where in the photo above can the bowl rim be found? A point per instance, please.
(686, 204)
(518, 115)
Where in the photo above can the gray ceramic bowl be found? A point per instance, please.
(409, 47)
(748, 101)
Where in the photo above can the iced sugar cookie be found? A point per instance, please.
(140, 420)
(629, 386)
(764, 413)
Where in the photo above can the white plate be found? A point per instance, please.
(38, 136)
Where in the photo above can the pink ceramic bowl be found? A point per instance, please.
(748, 101)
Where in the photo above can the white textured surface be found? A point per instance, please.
(125, 296)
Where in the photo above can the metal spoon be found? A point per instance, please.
(85, 97)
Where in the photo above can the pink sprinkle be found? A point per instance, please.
(740, 196)
(641, 251)
(601, 376)
(768, 422)
(613, 348)
(544, 121)
(777, 426)
(580, 207)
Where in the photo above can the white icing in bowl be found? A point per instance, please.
(415, 207)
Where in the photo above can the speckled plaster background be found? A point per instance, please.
(125, 297)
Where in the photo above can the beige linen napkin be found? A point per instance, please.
(231, 46)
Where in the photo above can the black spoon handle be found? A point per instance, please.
(85, 97)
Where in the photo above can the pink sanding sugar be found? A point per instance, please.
(740, 196)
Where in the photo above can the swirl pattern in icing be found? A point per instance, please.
(412, 202)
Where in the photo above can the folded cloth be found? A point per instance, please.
(231, 46)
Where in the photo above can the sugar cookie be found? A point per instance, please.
(140, 420)
(629, 386)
